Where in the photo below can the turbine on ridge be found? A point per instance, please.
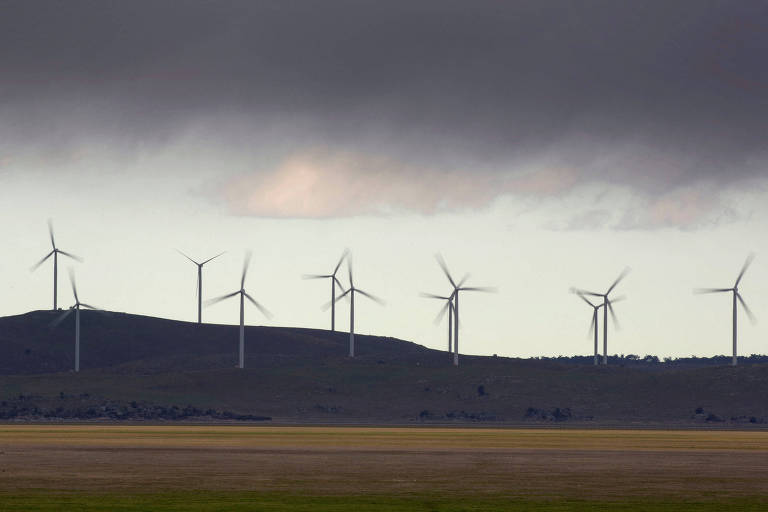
(736, 298)
(456, 289)
(199, 283)
(351, 292)
(607, 306)
(334, 283)
(448, 307)
(76, 308)
(243, 295)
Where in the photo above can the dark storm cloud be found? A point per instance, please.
(647, 94)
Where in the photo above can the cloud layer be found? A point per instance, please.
(418, 106)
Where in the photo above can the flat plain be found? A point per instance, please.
(223, 467)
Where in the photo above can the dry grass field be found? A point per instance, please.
(118, 467)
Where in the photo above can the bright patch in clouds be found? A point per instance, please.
(322, 184)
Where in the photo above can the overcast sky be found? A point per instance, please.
(538, 145)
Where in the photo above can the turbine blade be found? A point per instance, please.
(76, 258)
(619, 298)
(712, 290)
(744, 268)
(315, 276)
(50, 232)
(211, 259)
(582, 297)
(190, 259)
(210, 302)
(338, 283)
(343, 255)
(246, 263)
(327, 305)
(441, 262)
(349, 267)
(592, 325)
(613, 316)
(37, 265)
(61, 318)
(487, 289)
(433, 296)
(618, 280)
(372, 297)
(463, 280)
(73, 283)
(83, 304)
(442, 312)
(264, 311)
(579, 291)
(746, 309)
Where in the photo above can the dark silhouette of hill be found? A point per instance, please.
(137, 367)
(30, 345)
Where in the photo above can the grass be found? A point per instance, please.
(176, 467)
(209, 502)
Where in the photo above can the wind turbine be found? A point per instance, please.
(243, 295)
(736, 297)
(55, 253)
(606, 308)
(456, 289)
(593, 327)
(449, 308)
(334, 282)
(351, 291)
(76, 309)
(199, 283)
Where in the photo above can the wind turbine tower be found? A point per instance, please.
(593, 328)
(449, 309)
(456, 289)
(199, 283)
(352, 291)
(76, 309)
(607, 306)
(243, 295)
(737, 298)
(334, 283)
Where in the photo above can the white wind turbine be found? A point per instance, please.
(736, 298)
(456, 289)
(243, 295)
(199, 283)
(593, 328)
(334, 283)
(76, 309)
(351, 291)
(449, 309)
(606, 308)
(55, 253)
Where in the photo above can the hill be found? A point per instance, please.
(136, 367)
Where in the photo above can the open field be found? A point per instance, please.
(325, 468)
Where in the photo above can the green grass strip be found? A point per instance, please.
(274, 502)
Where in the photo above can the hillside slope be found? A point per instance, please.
(28, 344)
(137, 367)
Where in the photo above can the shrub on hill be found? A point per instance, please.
(17, 410)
